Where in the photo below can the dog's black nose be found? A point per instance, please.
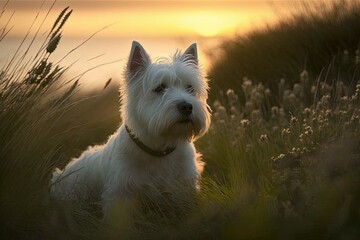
(185, 108)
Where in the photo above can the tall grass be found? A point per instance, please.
(284, 169)
(37, 106)
(32, 98)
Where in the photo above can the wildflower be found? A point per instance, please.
(357, 91)
(246, 86)
(286, 94)
(324, 101)
(297, 89)
(304, 77)
(267, 92)
(281, 86)
(260, 87)
(285, 131)
(328, 113)
(342, 112)
(313, 89)
(220, 114)
(274, 111)
(301, 136)
(308, 130)
(245, 122)
(295, 151)
(216, 104)
(234, 110)
(307, 111)
(233, 98)
(305, 150)
(325, 87)
(279, 157)
(293, 120)
(263, 138)
(257, 97)
(221, 110)
(282, 113)
(249, 106)
(230, 92)
(292, 98)
(256, 115)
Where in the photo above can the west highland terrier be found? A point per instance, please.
(163, 110)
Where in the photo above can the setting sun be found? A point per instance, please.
(153, 19)
(209, 24)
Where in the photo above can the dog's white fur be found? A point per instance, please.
(150, 96)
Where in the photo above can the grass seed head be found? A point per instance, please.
(53, 43)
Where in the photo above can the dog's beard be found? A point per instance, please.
(176, 126)
(181, 129)
(172, 126)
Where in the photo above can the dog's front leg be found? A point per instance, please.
(116, 204)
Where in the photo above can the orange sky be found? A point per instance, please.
(161, 26)
(149, 18)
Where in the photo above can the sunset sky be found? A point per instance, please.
(152, 18)
(161, 26)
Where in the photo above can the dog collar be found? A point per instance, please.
(145, 148)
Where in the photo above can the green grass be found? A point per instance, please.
(281, 164)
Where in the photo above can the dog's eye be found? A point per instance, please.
(160, 89)
(190, 89)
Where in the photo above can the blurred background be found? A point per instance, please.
(161, 26)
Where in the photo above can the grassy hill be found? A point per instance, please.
(317, 38)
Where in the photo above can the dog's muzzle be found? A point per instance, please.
(185, 108)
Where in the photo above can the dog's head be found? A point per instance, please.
(166, 98)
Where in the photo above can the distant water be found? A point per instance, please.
(93, 57)
(146, 22)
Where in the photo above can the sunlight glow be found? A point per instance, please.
(161, 26)
(209, 24)
(164, 20)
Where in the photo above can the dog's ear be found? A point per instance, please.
(138, 59)
(190, 54)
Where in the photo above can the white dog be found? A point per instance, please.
(163, 110)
